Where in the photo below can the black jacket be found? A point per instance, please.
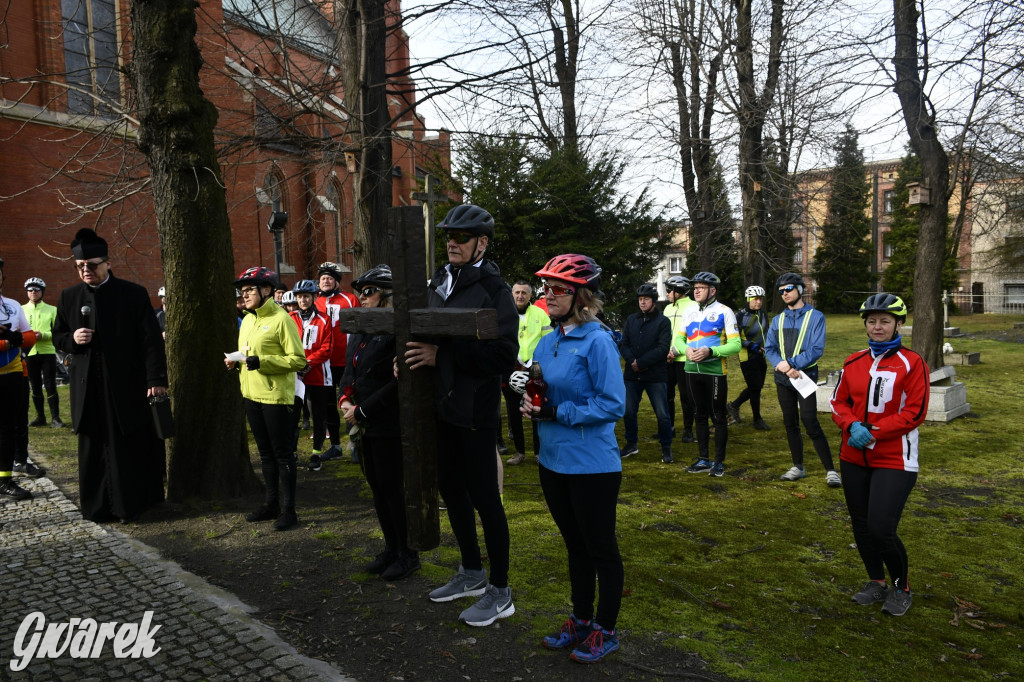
(646, 338)
(370, 382)
(469, 371)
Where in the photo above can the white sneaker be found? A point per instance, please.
(833, 480)
(794, 474)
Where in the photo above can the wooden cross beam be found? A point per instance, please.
(411, 320)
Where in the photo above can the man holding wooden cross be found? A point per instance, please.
(468, 394)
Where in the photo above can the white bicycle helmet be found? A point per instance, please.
(517, 382)
(288, 297)
(754, 291)
(35, 282)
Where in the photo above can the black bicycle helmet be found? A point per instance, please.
(884, 303)
(329, 268)
(787, 278)
(648, 290)
(377, 276)
(678, 284)
(709, 278)
(469, 218)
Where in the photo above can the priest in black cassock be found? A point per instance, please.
(117, 362)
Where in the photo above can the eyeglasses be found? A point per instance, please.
(460, 237)
(786, 289)
(369, 291)
(558, 290)
(248, 290)
(701, 287)
(89, 265)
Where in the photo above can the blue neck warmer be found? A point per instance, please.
(880, 347)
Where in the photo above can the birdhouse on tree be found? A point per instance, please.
(918, 194)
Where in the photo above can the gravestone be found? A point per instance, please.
(411, 320)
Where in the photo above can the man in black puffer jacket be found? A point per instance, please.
(644, 346)
(469, 373)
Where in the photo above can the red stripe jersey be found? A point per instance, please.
(329, 306)
(317, 338)
(889, 394)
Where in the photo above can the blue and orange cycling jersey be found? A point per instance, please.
(712, 326)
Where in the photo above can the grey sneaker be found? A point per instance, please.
(897, 603)
(872, 593)
(496, 603)
(466, 583)
(515, 459)
(734, 414)
(794, 474)
(833, 480)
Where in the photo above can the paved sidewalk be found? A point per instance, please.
(54, 562)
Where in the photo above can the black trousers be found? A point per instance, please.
(382, 464)
(754, 372)
(320, 401)
(796, 409)
(12, 404)
(710, 394)
(875, 498)
(273, 429)
(583, 507)
(467, 478)
(677, 378)
(332, 419)
(515, 421)
(42, 371)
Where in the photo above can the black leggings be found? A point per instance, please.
(678, 378)
(12, 406)
(382, 464)
(273, 429)
(467, 478)
(875, 498)
(710, 394)
(796, 409)
(42, 371)
(583, 507)
(754, 372)
(320, 400)
(515, 421)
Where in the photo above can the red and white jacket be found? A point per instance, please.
(329, 307)
(317, 340)
(888, 394)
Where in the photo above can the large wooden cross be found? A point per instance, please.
(429, 199)
(411, 320)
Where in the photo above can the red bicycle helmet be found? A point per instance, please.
(575, 268)
(258, 275)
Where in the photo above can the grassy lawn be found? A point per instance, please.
(754, 574)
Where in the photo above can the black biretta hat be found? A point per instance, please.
(87, 244)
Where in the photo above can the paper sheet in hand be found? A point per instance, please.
(804, 385)
(237, 356)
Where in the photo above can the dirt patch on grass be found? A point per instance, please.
(308, 585)
(937, 496)
(1005, 335)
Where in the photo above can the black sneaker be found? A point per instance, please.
(688, 437)
(56, 423)
(11, 489)
(666, 455)
(628, 450)
(897, 602)
(264, 513)
(699, 467)
(286, 520)
(734, 413)
(761, 426)
(306, 426)
(38, 421)
(29, 469)
(406, 564)
(381, 562)
(872, 593)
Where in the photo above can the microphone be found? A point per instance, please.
(86, 315)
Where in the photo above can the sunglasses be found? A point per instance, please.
(787, 289)
(369, 291)
(460, 237)
(558, 290)
(35, 289)
(88, 265)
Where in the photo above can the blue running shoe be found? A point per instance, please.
(573, 631)
(717, 469)
(596, 646)
(699, 467)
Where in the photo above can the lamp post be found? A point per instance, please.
(276, 225)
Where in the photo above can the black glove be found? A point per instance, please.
(12, 338)
(305, 370)
(252, 363)
(755, 347)
(547, 413)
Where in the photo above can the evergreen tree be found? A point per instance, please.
(843, 259)
(903, 237)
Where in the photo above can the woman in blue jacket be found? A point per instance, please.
(580, 468)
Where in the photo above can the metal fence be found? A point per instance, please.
(966, 302)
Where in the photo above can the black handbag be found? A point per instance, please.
(163, 420)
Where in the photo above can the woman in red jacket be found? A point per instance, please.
(881, 399)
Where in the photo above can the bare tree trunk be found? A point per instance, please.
(209, 456)
(919, 116)
(363, 58)
(566, 50)
(753, 110)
